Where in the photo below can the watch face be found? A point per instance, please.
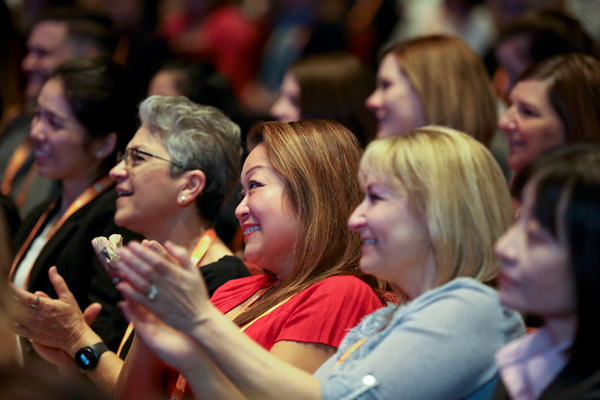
(86, 358)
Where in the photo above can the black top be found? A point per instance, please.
(71, 251)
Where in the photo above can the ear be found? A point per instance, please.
(193, 185)
(104, 146)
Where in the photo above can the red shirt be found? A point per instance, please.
(322, 313)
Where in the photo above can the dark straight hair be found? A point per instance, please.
(567, 204)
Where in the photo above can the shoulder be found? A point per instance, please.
(29, 221)
(466, 305)
(225, 269)
(239, 288)
(460, 292)
(341, 286)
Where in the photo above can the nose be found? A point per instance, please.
(29, 62)
(242, 210)
(276, 109)
(506, 248)
(507, 121)
(36, 131)
(357, 219)
(374, 100)
(118, 172)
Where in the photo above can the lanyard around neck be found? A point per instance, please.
(84, 198)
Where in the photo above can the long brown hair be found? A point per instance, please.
(318, 161)
(451, 82)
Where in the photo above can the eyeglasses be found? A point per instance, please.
(132, 158)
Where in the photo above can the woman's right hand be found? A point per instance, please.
(168, 285)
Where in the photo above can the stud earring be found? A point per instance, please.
(182, 198)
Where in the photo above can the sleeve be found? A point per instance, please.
(326, 311)
(443, 351)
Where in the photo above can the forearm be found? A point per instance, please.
(208, 382)
(105, 375)
(254, 371)
(142, 375)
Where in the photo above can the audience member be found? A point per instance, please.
(297, 193)
(433, 80)
(433, 243)
(328, 86)
(535, 37)
(553, 103)
(86, 112)
(57, 36)
(550, 268)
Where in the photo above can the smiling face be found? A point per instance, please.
(266, 216)
(395, 240)
(531, 124)
(148, 195)
(395, 102)
(61, 145)
(287, 106)
(535, 272)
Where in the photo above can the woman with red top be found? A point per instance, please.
(298, 191)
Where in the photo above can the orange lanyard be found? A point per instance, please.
(14, 165)
(84, 198)
(199, 251)
(349, 351)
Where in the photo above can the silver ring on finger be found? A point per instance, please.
(153, 292)
(36, 303)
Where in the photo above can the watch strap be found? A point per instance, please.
(87, 357)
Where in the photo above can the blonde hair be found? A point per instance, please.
(455, 183)
(451, 82)
(318, 161)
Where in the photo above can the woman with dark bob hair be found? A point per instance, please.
(85, 115)
(550, 267)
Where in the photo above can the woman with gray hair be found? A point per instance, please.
(170, 182)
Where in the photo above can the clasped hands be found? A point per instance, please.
(164, 281)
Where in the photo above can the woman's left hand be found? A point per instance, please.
(56, 323)
(170, 287)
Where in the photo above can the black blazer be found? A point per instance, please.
(70, 250)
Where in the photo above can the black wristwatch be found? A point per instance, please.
(86, 358)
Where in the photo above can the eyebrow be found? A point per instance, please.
(252, 169)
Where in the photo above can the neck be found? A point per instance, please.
(71, 190)
(424, 278)
(561, 328)
(183, 230)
